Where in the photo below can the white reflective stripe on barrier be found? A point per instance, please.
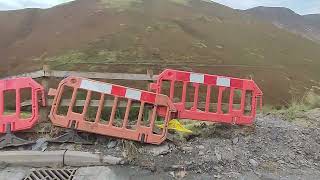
(197, 78)
(223, 81)
(133, 94)
(96, 86)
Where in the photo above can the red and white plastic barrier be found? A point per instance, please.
(233, 115)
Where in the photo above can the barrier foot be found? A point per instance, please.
(9, 139)
(71, 136)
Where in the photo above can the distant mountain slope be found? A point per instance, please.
(314, 19)
(133, 35)
(307, 26)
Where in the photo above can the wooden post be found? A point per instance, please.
(44, 111)
(248, 102)
(149, 74)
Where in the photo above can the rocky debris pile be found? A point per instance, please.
(273, 145)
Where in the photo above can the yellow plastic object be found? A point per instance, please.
(174, 124)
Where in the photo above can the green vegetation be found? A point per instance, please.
(65, 60)
(131, 149)
(197, 128)
(312, 100)
(208, 130)
(23, 114)
(297, 110)
(183, 2)
(294, 111)
(119, 4)
(72, 59)
(125, 4)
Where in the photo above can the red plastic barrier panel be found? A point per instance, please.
(226, 99)
(110, 110)
(12, 93)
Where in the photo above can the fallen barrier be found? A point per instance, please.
(129, 123)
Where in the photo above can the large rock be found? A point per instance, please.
(157, 150)
(40, 145)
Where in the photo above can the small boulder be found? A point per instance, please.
(187, 148)
(218, 154)
(201, 153)
(235, 140)
(253, 163)
(111, 144)
(158, 150)
(40, 145)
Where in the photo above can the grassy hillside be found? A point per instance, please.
(133, 35)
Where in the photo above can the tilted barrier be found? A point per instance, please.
(133, 113)
(227, 100)
(12, 118)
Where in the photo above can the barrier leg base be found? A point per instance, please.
(9, 139)
(71, 136)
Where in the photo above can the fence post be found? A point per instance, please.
(44, 111)
(149, 74)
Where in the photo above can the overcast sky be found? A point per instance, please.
(21, 4)
(299, 6)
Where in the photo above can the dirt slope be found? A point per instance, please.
(132, 35)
